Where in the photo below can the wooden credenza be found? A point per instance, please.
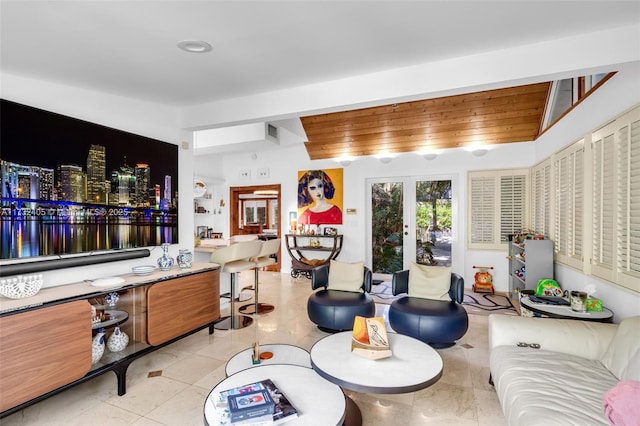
(45, 341)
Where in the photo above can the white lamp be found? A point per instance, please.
(479, 152)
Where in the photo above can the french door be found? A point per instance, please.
(410, 221)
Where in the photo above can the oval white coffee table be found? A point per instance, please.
(282, 354)
(414, 365)
(318, 401)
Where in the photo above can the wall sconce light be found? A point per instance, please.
(479, 152)
(385, 160)
(430, 156)
(345, 163)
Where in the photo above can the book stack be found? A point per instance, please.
(370, 338)
(254, 404)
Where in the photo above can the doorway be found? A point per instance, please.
(410, 221)
(256, 210)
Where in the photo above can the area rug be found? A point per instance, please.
(474, 303)
(487, 304)
(381, 293)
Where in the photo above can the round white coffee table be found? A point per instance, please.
(318, 401)
(282, 354)
(414, 365)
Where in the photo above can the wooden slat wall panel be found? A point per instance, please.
(497, 116)
(42, 350)
(180, 305)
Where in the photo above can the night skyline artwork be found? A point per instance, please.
(71, 186)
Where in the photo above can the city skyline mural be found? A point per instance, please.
(71, 186)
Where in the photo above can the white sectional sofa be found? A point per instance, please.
(562, 382)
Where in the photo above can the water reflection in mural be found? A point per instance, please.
(27, 235)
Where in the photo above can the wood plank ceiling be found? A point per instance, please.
(513, 114)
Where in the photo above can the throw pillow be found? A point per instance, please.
(429, 282)
(621, 403)
(345, 276)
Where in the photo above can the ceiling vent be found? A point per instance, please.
(272, 132)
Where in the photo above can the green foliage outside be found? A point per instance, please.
(433, 213)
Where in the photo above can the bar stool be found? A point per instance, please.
(234, 259)
(263, 259)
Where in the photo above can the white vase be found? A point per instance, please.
(97, 346)
(165, 262)
(118, 340)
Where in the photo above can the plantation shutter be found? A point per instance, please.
(603, 206)
(569, 204)
(497, 207)
(482, 207)
(541, 191)
(576, 222)
(512, 205)
(628, 162)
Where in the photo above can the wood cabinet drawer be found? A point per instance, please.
(180, 305)
(42, 350)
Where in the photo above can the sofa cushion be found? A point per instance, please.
(429, 282)
(346, 276)
(622, 357)
(538, 387)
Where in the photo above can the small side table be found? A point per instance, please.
(282, 354)
(565, 312)
(318, 401)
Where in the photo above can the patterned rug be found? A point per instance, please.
(487, 304)
(474, 303)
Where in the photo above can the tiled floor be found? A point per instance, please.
(169, 386)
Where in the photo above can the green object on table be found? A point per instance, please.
(594, 305)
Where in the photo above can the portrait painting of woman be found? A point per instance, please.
(320, 197)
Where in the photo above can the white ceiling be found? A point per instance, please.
(128, 48)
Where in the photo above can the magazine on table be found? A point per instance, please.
(283, 409)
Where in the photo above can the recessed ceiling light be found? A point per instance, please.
(479, 152)
(194, 46)
(429, 156)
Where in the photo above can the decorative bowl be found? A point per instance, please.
(21, 286)
(199, 188)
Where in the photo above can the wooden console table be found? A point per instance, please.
(45, 340)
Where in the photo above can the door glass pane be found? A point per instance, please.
(433, 222)
(386, 226)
